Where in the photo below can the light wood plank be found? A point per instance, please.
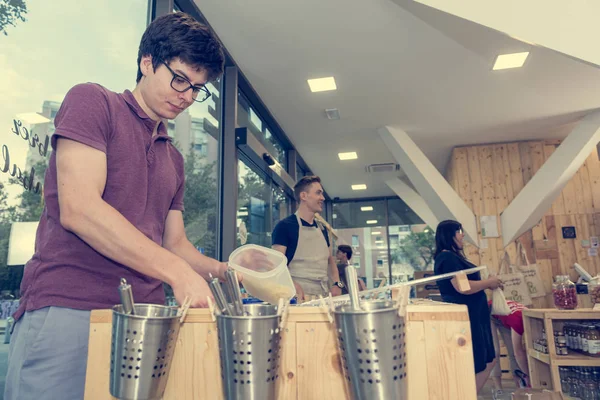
(566, 247)
(319, 370)
(446, 346)
(510, 195)
(586, 187)
(462, 171)
(475, 181)
(579, 193)
(489, 256)
(570, 195)
(97, 379)
(197, 346)
(415, 349)
(516, 169)
(593, 164)
(287, 387)
(475, 255)
(500, 190)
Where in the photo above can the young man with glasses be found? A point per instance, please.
(113, 209)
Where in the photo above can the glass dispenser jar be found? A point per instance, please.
(565, 293)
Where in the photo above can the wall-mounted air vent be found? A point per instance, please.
(378, 168)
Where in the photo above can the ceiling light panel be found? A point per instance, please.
(348, 156)
(361, 186)
(366, 208)
(514, 60)
(322, 84)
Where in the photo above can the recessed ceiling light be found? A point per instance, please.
(366, 208)
(348, 156)
(361, 186)
(242, 213)
(378, 241)
(332, 113)
(371, 221)
(322, 84)
(514, 60)
(375, 233)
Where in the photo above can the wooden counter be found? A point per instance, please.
(438, 341)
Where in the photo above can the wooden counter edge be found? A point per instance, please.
(421, 311)
(553, 313)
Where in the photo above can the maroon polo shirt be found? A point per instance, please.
(145, 179)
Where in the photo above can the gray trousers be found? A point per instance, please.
(47, 357)
(507, 339)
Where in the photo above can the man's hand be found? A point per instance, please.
(223, 266)
(255, 260)
(335, 291)
(299, 292)
(189, 284)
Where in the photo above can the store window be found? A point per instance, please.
(41, 58)
(412, 243)
(362, 225)
(261, 205)
(253, 212)
(196, 134)
(280, 205)
(248, 117)
(300, 172)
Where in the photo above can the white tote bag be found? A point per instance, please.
(499, 304)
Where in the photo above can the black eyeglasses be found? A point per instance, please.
(181, 85)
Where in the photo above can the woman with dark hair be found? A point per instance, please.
(449, 257)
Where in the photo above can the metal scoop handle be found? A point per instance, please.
(233, 289)
(352, 282)
(126, 296)
(220, 300)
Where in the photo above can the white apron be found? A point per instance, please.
(310, 263)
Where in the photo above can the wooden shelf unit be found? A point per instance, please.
(543, 368)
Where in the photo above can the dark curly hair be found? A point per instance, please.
(179, 35)
(347, 250)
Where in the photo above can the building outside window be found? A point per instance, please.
(248, 117)
(380, 231)
(41, 58)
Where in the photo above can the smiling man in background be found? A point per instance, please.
(306, 245)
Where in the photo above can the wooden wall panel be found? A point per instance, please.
(489, 177)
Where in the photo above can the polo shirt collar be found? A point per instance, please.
(139, 111)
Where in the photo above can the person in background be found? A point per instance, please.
(343, 256)
(113, 209)
(511, 329)
(449, 257)
(306, 244)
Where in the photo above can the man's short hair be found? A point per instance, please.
(303, 184)
(347, 250)
(179, 35)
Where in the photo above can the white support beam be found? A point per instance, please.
(414, 201)
(564, 26)
(532, 202)
(442, 200)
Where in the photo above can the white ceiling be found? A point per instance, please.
(395, 63)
